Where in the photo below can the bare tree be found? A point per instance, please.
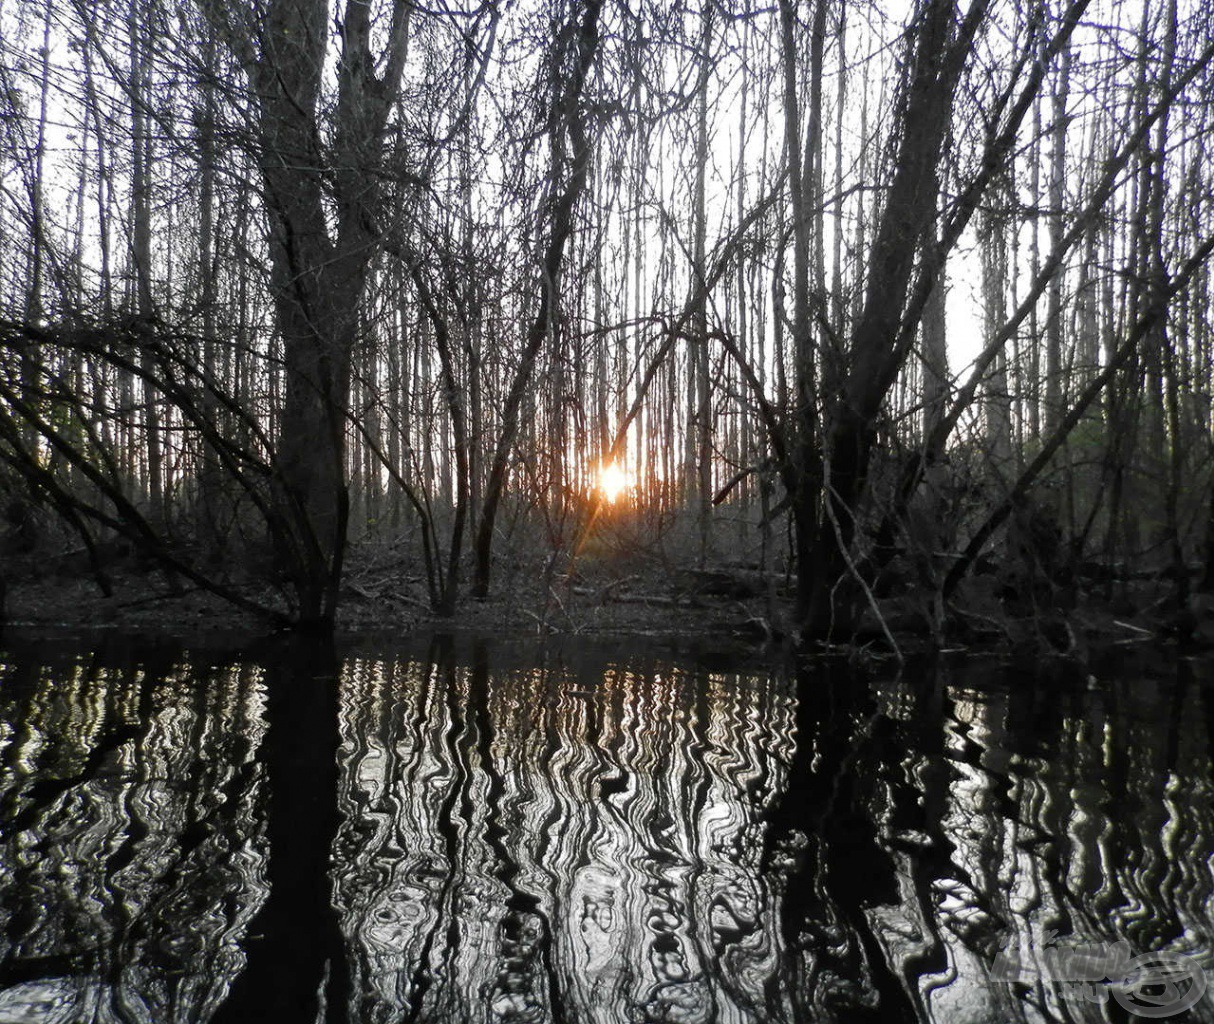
(571, 150)
(318, 272)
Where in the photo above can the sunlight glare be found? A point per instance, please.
(614, 482)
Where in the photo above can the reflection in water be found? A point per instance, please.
(296, 964)
(464, 834)
(519, 845)
(131, 855)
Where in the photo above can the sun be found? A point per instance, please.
(614, 482)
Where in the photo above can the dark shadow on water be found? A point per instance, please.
(834, 866)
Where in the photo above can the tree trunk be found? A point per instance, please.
(699, 426)
(1054, 398)
(803, 477)
(910, 209)
(317, 278)
(142, 302)
(994, 299)
(935, 344)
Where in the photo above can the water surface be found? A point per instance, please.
(468, 831)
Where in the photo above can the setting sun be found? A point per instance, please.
(614, 482)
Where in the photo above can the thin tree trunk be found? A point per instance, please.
(209, 480)
(994, 295)
(1057, 209)
(577, 166)
(699, 427)
(141, 242)
(31, 358)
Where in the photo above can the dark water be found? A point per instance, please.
(469, 832)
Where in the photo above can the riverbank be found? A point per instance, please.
(380, 601)
(728, 610)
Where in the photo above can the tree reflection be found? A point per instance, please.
(296, 966)
(475, 832)
(127, 786)
(825, 860)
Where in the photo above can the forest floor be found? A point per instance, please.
(380, 597)
(726, 609)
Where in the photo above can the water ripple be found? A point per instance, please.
(470, 832)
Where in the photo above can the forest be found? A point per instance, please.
(872, 306)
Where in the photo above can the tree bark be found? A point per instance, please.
(803, 476)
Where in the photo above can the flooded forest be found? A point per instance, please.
(606, 510)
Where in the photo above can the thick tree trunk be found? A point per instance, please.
(316, 322)
(318, 273)
(939, 56)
